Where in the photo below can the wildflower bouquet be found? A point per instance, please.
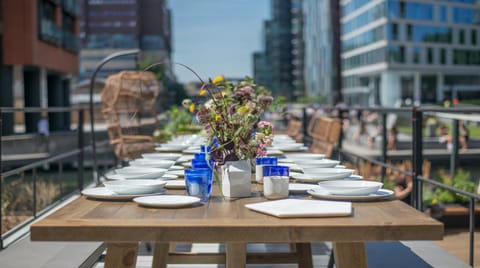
(232, 119)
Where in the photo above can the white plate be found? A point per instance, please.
(139, 173)
(321, 163)
(167, 177)
(185, 158)
(289, 146)
(167, 201)
(354, 177)
(174, 149)
(103, 193)
(152, 163)
(164, 156)
(135, 187)
(176, 168)
(274, 152)
(328, 173)
(351, 187)
(176, 184)
(191, 151)
(179, 173)
(285, 160)
(300, 157)
(292, 166)
(382, 194)
(301, 188)
(292, 148)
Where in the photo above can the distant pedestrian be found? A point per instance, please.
(44, 131)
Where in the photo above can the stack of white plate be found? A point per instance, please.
(317, 163)
(321, 174)
(152, 163)
(135, 172)
(353, 187)
(302, 157)
(162, 156)
(135, 187)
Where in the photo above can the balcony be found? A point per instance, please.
(50, 32)
(71, 7)
(71, 42)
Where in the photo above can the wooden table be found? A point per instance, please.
(123, 224)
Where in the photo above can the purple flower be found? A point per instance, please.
(203, 115)
(264, 100)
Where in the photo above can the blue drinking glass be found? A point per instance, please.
(198, 182)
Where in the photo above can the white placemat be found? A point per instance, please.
(295, 208)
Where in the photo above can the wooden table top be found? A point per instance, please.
(229, 221)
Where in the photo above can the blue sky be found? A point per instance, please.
(217, 36)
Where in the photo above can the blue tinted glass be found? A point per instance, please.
(463, 15)
(353, 5)
(419, 11)
(365, 38)
(364, 18)
(443, 14)
(424, 33)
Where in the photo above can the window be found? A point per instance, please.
(409, 32)
(396, 54)
(473, 36)
(461, 36)
(466, 57)
(429, 55)
(394, 31)
(364, 39)
(364, 18)
(436, 34)
(443, 14)
(443, 56)
(416, 55)
(367, 58)
(463, 15)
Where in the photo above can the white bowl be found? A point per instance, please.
(163, 156)
(322, 163)
(141, 172)
(135, 187)
(157, 163)
(301, 157)
(351, 187)
(328, 173)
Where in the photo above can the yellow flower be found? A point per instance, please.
(191, 108)
(218, 79)
(202, 92)
(217, 117)
(243, 110)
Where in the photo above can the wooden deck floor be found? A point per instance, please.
(456, 241)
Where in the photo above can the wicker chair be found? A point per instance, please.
(128, 103)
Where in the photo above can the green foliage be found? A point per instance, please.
(461, 180)
(316, 99)
(158, 71)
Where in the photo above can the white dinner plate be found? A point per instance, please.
(292, 166)
(167, 177)
(167, 201)
(176, 184)
(179, 173)
(191, 151)
(274, 152)
(135, 187)
(102, 193)
(152, 163)
(328, 173)
(382, 194)
(285, 160)
(292, 148)
(162, 156)
(301, 188)
(176, 167)
(320, 163)
(300, 157)
(313, 178)
(114, 177)
(185, 158)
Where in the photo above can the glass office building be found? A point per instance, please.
(425, 51)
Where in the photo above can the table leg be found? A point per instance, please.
(121, 255)
(160, 255)
(304, 255)
(350, 254)
(236, 255)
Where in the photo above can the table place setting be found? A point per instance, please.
(124, 190)
(162, 156)
(151, 163)
(137, 173)
(351, 190)
(167, 201)
(296, 208)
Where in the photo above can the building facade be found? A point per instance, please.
(298, 50)
(38, 58)
(420, 50)
(109, 26)
(321, 33)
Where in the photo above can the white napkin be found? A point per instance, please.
(291, 208)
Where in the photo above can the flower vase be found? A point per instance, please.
(236, 179)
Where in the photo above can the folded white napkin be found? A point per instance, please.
(291, 208)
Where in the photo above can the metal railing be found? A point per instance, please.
(417, 114)
(59, 159)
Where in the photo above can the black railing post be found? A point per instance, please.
(1, 183)
(417, 139)
(384, 144)
(34, 175)
(471, 227)
(81, 141)
(340, 139)
(454, 153)
(305, 125)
